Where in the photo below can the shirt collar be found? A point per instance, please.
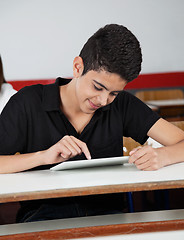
(51, 95)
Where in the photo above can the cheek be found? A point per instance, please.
(89, 92)
(83, 92)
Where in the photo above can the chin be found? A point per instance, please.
(88, 111)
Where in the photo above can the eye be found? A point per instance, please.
(98, 89)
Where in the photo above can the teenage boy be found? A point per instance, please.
(82, 118)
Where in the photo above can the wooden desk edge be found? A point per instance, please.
(94, 231)
(23, 196)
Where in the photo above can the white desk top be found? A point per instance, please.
(169, 102)
(46, 180)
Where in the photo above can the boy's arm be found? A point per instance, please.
(20, 162)
(171, 137)
(66, 148)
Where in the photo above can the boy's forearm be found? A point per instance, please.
(172, 154)
(20, 162)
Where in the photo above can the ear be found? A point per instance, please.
(78, 67)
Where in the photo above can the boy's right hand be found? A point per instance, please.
(66, 148)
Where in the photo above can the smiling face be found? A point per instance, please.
(97, 89)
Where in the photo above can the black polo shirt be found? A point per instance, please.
(33, 121)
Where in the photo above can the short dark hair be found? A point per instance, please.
(114, 49)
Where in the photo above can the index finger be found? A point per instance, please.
(133, 157)
(83, 147)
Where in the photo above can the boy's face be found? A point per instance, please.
(97, 89)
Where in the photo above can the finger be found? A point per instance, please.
(150, 168)
(72, 146)
(143, 159)
(83, 147)
(152, 165)
(147, 163)
(143, 165)
(134, 150)
(140, 152)
(135, 155)
(65, 153)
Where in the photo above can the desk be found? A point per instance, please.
(123, 178)
(168, 108)
(167, 103)
(49, 184)
(154, 108)
(104, 225)
(167, 235)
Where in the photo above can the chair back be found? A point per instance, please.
(149, 95)
(128, 145)
(179, 124)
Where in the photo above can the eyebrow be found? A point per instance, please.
(105, 86)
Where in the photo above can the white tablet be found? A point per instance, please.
(91, 163)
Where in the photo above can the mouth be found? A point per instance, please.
(93, 106)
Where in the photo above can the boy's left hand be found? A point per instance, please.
(146, 158)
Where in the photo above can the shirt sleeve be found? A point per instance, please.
(137, 117)
(13, 125)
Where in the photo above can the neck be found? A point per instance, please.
(71, 109)
(68, 98)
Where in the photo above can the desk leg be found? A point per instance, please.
(130, 201)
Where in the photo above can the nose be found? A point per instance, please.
(103, 99)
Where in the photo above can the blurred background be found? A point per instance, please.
(40, 38)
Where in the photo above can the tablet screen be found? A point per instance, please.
(99, 162)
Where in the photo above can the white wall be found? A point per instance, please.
(40, 38)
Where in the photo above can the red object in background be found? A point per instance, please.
(157, 80)
(17, 85)
(154, 80)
